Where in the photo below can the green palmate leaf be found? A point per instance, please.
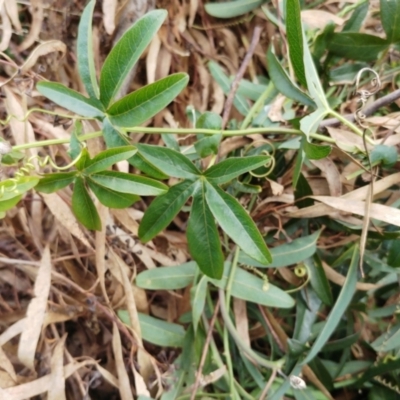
(390, 16)
(315, 151)
(235, 221)
(53, 182)
(284, 83)
(128, 183)
(218, 74)
(287, 254)
(203, 238)
(164, 209)
(144, 103)
(169, 161)
(114, 138)
(232, 167)
(249, 287)
(8, 204)
(167, 278)
(340, 307)
(357, 46)
(126, 52)
(156, 331)
(107, 158)
(10, 188)
(83, 206)
(198, 295)
(231, 9)
(84, 48)
(111, 198)
(294, 32)
(319, 281)
(71, 100)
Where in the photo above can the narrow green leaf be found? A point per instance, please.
(316, 151)
(388, 341)
(111, 198)
(298, 166)
(128, 183)
(164, 208)
(107, 158)
(167, 278)
(70, 99)
(83, 160)
(319, 281)
(237, 224)
(336, 314)
(302, 190)
(198, 295)
(354, 23)
(126, 52)
(10, 189)
(284, 83)
(203, 238)
(156, 331)
(75, 146)
(53, 182)
(378, 370)
(287, 254)
(231, 9)
(249, 287)
(84, 48)
(294, 33)
(394, 254)
(114, 138)
(83, 206)
(232, 167)
(10, 203)
(142, 104)
(357, 46)
(169, 161)
(390, 17)
(218, 74)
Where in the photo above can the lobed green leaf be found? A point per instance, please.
(107, 158)
(83, 206)
(142, 104)
(232, 167)
(52, 182)
(126, 53)
(128, 183)
(71, 100)
(169, 161)
(203, 238)
(237, 224)
(164, 208)
(84, 49)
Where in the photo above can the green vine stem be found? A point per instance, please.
(181, 131)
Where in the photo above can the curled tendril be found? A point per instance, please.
(300, 271)
(271, 164)
(366, 94)
(29, 166)
(264, 277)
(305, 283)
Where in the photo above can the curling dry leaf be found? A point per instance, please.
(124, 385)
(35, 313)
(57, 387)
(36, 9)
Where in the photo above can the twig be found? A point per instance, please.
(239, 75)
(268, 385)
(376, 105)
(204, 353)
